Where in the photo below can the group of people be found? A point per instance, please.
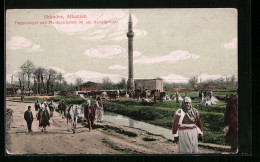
(43, 114)
(205, 94)
(187, 128)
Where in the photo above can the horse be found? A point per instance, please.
(72, 116)
(62, 107)
(52, 108)
(89, 113)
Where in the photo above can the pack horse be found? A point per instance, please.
(62, 107)
(72, 116)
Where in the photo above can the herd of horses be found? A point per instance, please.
(70, 112)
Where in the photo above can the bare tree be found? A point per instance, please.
(28, 69)
(79, 81)
(21, 77)
(59, 78)
(233, 80)
(38, 73)
(50, 78)
(193, 81)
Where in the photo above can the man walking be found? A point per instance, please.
(187, 127)
(28, 116)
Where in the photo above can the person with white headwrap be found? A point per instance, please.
(187, 127)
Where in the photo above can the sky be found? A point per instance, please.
(173, 44)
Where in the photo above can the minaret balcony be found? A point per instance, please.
(130, 34)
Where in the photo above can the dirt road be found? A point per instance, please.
(106, 138)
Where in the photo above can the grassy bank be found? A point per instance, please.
(161, 114)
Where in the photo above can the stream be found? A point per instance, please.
(126, 121)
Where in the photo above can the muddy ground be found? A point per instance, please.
(106, 138)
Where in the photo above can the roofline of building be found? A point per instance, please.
(148, 79)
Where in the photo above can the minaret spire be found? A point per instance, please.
(130, 35)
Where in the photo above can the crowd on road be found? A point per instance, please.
(44, 111)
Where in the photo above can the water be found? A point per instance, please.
(126, 121)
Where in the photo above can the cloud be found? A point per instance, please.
(137, 54)
(86, 75)
(117, 67)
(70, 77)
(92, 76)
(172, 57)
(8, 78)
(109, 31)
(232, 44)
(22, 43)
(58, 70)
(174, 78)
(206, 77)
(106, 51)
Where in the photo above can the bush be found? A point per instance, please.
(214, 137)
(220, 107)
(213, 121)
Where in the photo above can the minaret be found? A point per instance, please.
(130, 35)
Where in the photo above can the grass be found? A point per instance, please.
(119, 137)
(121, 131)
(112, 135)
(113, 146)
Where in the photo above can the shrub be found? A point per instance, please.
(213, 121)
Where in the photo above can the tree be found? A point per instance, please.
(193, 81)
(50, 78)
(106, 84)
(79, 81)
(21, 77)
(60, 78)
(122, 84)
(233, 80)
(38, 74)
(28, 69)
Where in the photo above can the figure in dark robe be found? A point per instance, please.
(231, 123)
(177, 97)
(43, 117)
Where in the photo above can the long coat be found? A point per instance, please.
(231, 120)
(28, 116)
(43, 118)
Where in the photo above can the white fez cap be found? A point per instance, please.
(187, 99)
